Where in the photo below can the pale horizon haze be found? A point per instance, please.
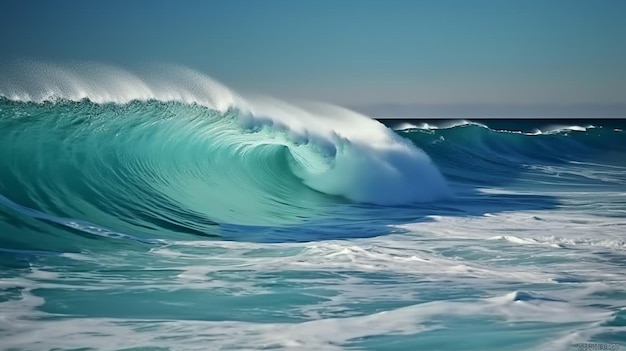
(480, 58)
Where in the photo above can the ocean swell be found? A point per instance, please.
(102, 144)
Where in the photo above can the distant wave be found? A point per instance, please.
(448, 124)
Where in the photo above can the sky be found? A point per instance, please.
(387, 58)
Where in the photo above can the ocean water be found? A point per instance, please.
(139, 213)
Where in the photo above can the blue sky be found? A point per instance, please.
(412, 55)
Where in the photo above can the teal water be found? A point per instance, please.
(167, 224)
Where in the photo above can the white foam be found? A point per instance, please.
(408, 126)
(321, 334)
(559, 230)
(605, 173)
(565, 129)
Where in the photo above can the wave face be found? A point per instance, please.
(105, 148)
(160, 210)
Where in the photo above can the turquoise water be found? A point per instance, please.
(177, 223)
